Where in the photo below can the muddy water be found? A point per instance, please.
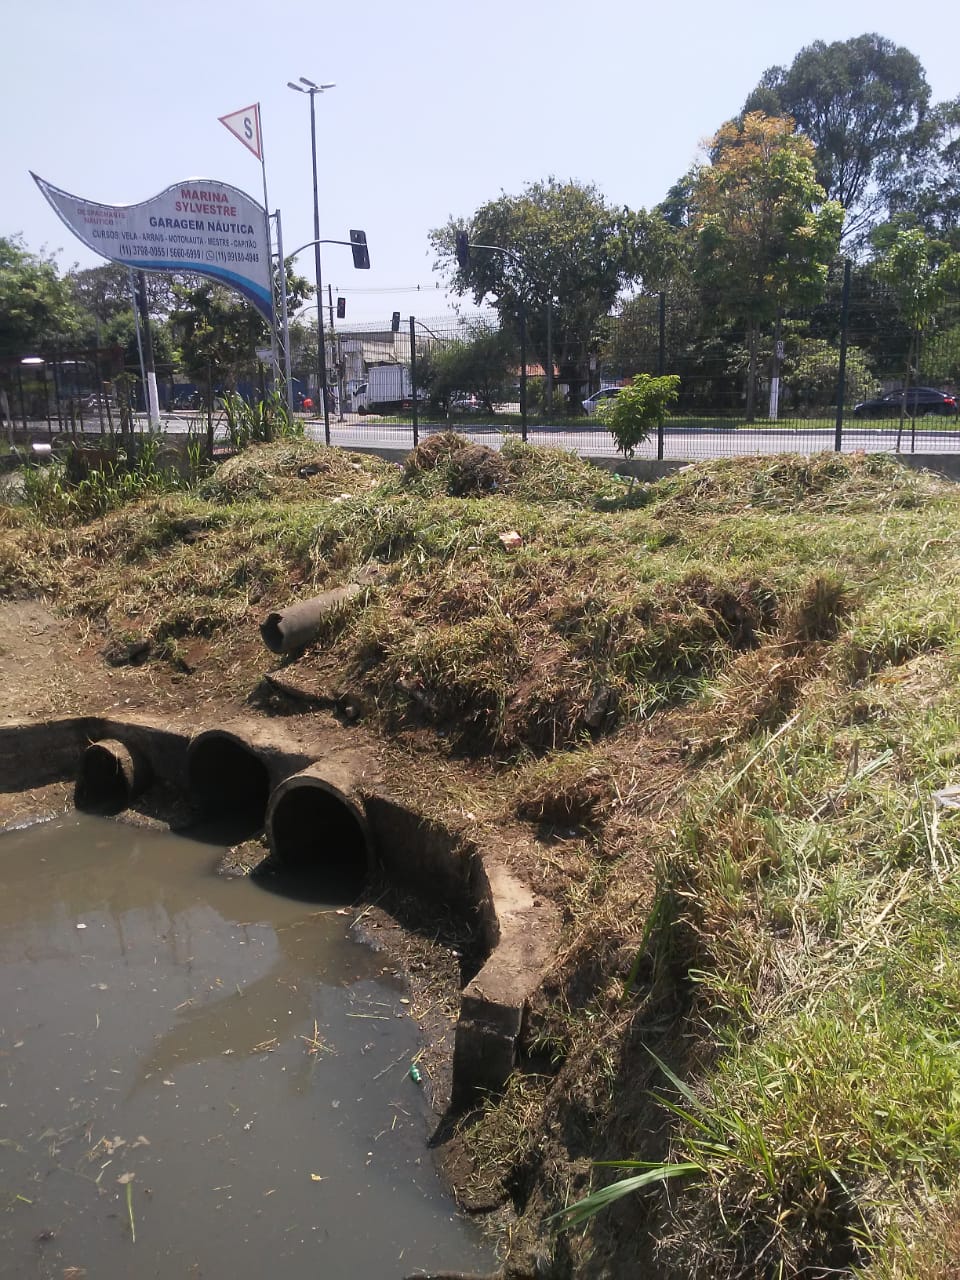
(227, 1054)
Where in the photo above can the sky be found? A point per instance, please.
(438, 107)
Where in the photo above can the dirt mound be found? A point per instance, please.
(430, 453)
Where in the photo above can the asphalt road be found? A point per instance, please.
(680, 443)
(683, 444)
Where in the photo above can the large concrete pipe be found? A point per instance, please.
(317, 830)
(228, 780)
(293, 628)
(111, 775)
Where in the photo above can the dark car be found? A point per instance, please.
(919, 401)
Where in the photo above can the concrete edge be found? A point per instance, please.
(520, 931)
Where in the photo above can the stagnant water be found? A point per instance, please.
(201, 1078)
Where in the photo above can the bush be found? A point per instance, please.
(640, 406)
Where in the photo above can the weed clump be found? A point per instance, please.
(570, 789)
(826, 482)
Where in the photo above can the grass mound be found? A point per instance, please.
(825, 482)
(450, 464)
(291, 469)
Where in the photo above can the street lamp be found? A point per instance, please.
(309, 87)
(464, 245)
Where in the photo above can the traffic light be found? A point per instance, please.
(395, 322)
(361, 255)
(463, 250)
(341, 308)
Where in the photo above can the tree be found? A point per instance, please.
(218, 332)
(569, 253)
(638, 408)
(103, 292)
(482, 365)
(920, 272)
(35, 302)
(121, 331)
(811, 373)
(862, 102)
(927, 194)
(765, 232)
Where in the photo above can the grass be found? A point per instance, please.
(721, 708)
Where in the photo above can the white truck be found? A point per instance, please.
(387, 386)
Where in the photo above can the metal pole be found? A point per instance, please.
(523, 371)
(335, 353)
(46, 399)
(283, 319)
(662, 318)
(274, 356)
(23, 408)
(136, 326)
(773, 411)
(321, 341)
(153, 400)
(56, 395)
(413, 380)
(548, 408)
(842, 370)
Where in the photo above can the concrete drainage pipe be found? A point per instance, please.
(291, 629)
(111, 775)
(317, 831)
(228, 779)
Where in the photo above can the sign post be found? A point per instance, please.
(246, 128)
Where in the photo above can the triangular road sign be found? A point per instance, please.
(245, 125)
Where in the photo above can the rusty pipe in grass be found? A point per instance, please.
(293, 628)
(287, 630)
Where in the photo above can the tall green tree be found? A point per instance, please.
(483, 364)
(862, 103)
(569, 252)
(765, 231)
(36, 304)
(217, 332)
(927, 192)
(920, 272)
(103, 293)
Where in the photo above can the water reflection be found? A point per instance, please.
(258, 1052)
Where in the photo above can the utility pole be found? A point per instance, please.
(153, 399)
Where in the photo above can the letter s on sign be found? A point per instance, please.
(248, 127)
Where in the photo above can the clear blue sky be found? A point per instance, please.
(439, 106)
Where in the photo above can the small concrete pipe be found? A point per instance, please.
(314, 827)
(111, 775)
(227, 775)
(298, 625)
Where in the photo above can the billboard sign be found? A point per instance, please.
(200, 225)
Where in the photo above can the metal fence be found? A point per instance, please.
(826, 377)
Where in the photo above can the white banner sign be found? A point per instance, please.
(199, 225)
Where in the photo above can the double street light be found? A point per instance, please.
(463, 246)
(312, 89)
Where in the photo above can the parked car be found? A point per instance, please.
(919, 401)
(591, 402)
(95, 406)
(463, 403)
